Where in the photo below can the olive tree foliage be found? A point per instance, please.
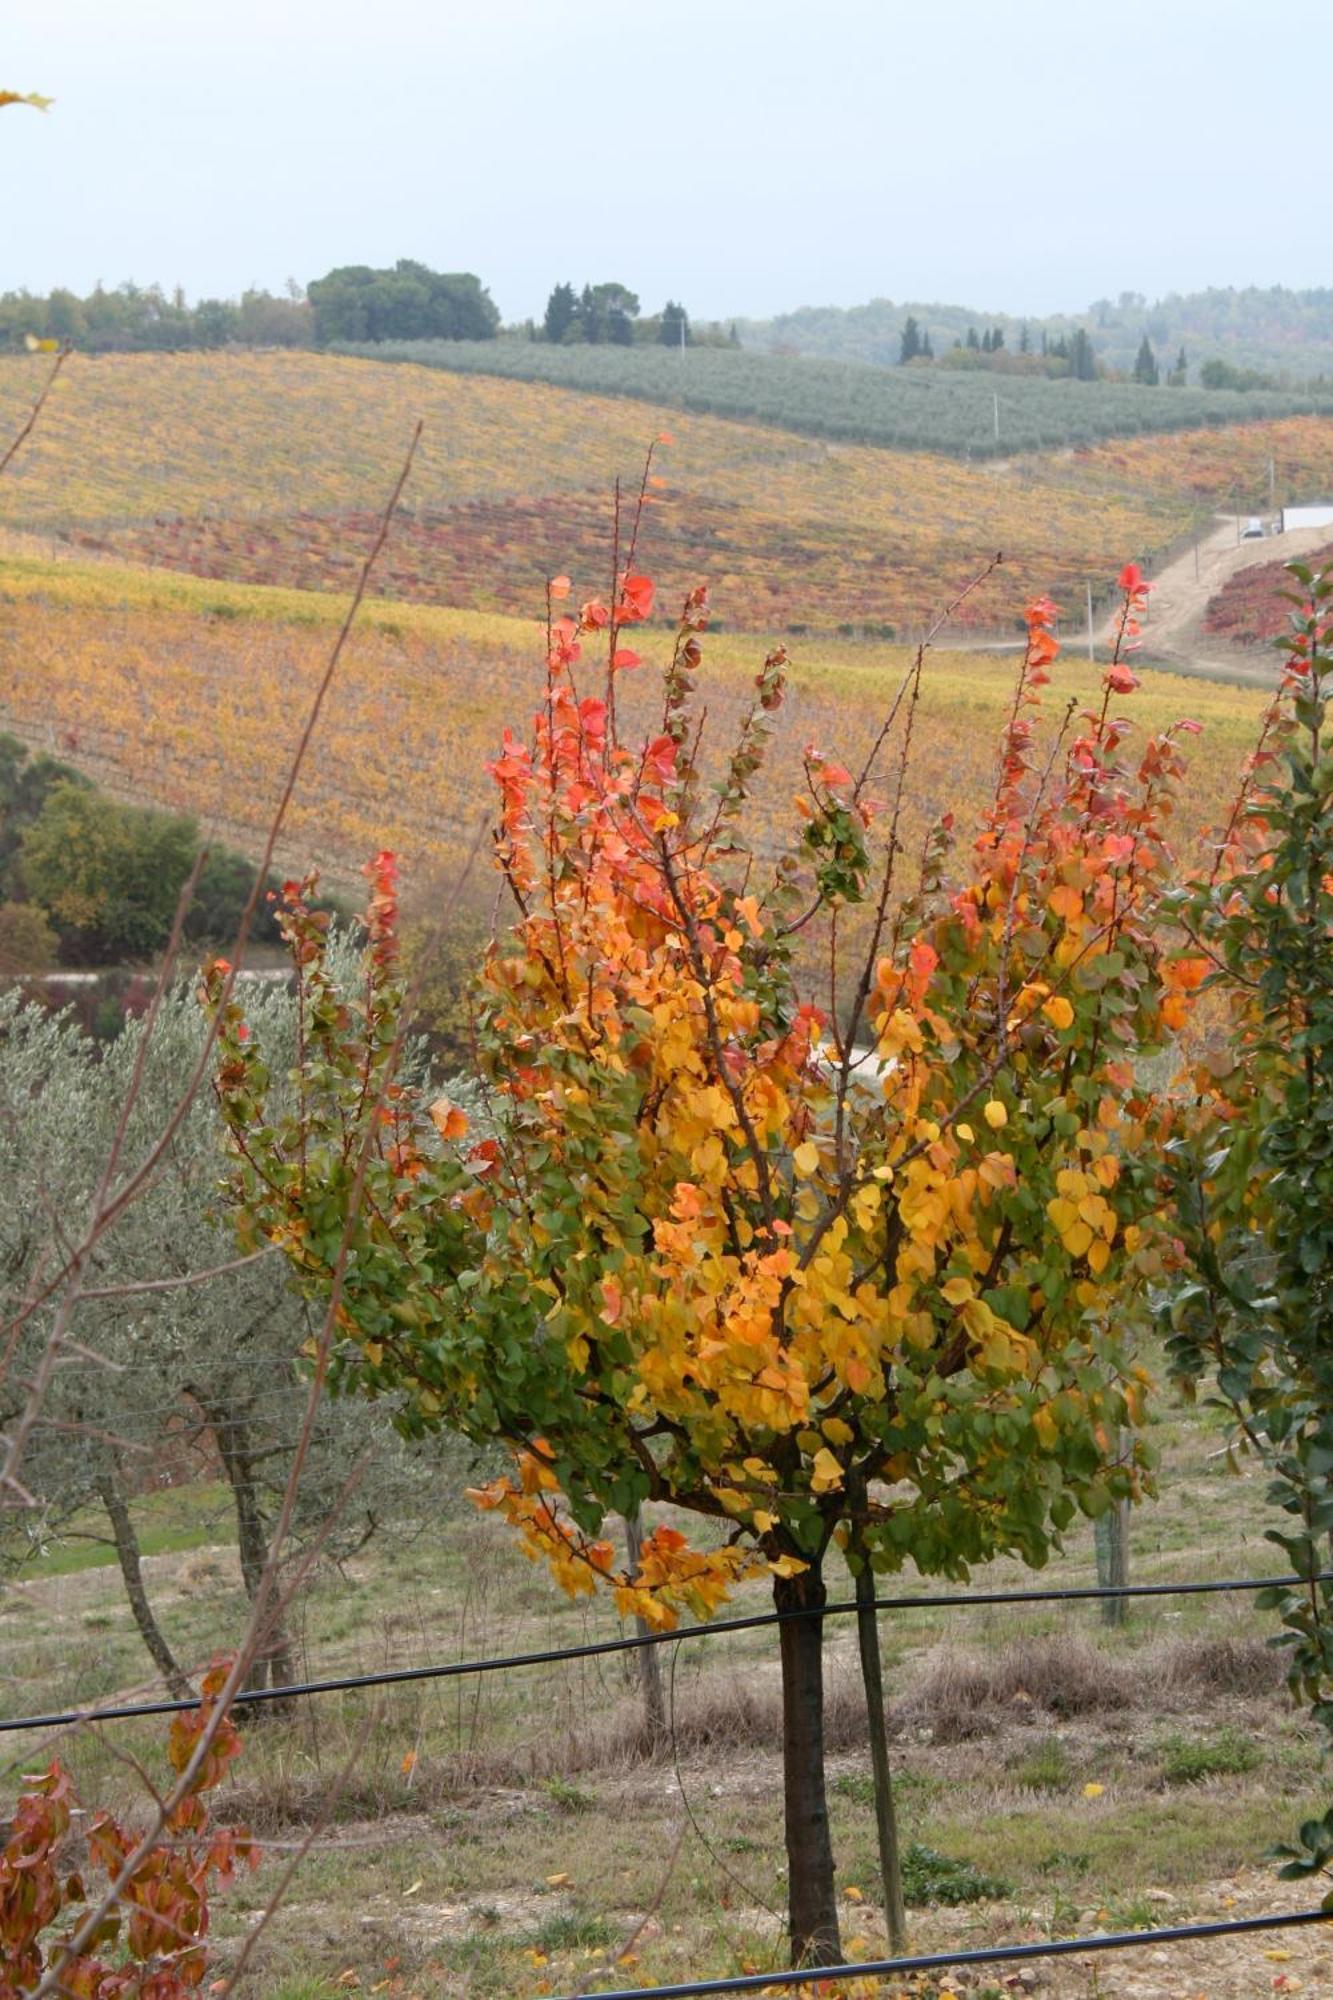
(215, 1361)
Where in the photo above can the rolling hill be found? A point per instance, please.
(270, 468)
(966, 415)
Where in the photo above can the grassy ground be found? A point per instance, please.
(507, 1835)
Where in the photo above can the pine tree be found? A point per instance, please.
(972, 340)
(986, 342)
(1145, 365)
(560, 311)
(1083, 362)
(996, 339)
(591, 317)
(1025, 339)
(927, 351)
(675, 327)
(909, 344)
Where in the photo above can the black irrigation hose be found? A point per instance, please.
(937, 1961)
(593, 1648)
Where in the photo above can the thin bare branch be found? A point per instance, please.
(36, 410)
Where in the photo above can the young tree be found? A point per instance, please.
(1252, 1314)
(805, 1276)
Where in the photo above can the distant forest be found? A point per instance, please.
(1270, 332)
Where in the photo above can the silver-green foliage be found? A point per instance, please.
(220, 1358)
(917, 409)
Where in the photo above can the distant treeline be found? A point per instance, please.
(355, 302)
(132, 318)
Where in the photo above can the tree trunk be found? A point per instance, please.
(812, 1908)
(648, 1658)
(112, 1496)
(1111, 1533)
(886, 1818)
(273, 1662)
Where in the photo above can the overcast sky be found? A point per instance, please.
(745, 156)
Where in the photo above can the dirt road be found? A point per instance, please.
(1174, 632)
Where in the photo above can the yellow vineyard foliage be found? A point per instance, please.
(190, 694)
(262, 466)
(1224, 464)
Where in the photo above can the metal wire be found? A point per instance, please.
(937, 1961)
(594, 1648)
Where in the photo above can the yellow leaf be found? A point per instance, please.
(826, 1473)
(1058, 1011)
(1278, 1957)
(788, 1566)
(806, 1159)
(1093, 1791)
(836, 1431)
(853, 1894)
(1044, 1424)
(556, 1881)
(763, 1520)
(957, 1291)
(995, 1115)
(413, 1890)
(1063, 1213)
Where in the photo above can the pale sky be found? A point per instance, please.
(745, 156)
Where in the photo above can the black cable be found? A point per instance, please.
(1000, 1954)
(592, 1648)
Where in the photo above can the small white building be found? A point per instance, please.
(1319, 514)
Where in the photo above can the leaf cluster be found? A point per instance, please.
(718, 1252)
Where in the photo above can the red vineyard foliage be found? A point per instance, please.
(1253, 608)
(152, 1941)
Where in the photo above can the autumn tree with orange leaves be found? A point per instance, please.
(851, 1269)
